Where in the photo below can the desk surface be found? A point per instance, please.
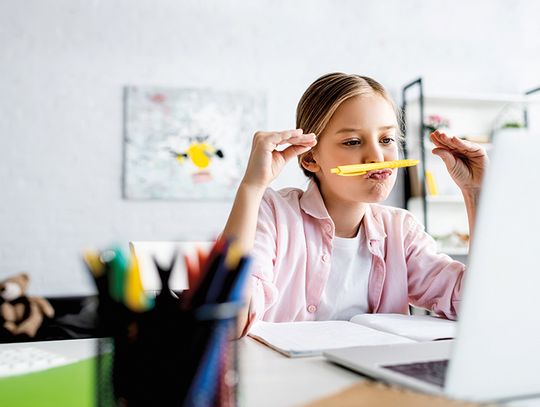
(267, 377)
(271, 379)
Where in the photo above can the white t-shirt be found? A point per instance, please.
(346, 292)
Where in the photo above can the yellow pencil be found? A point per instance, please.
(361, 169)
(91, 258)
(431, 184)
(234, 254)
(135, 297)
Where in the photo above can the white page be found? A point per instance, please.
(418, 327)
(313, 337)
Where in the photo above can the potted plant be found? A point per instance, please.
(436, 122)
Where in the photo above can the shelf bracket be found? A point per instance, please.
(525, 109)
(421, 131)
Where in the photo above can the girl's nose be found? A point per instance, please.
(373, 154)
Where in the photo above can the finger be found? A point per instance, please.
(465, 145)
(294, 138)
(302, 139)
(269, 140)
(467, 149)
(293, 151)
(434, 134)
(441, 139)
(454, 143)
(286, 134)
(447, 157)
(292, 132)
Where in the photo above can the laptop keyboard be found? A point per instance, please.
(432, 372)
(23, 360)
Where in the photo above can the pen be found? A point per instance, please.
(361, 169)
(135, 297)
(193, 275)
(115, 266)
(227, 265)
(199, 296)
(237, 287)
(97, 269)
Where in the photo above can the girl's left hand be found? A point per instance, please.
(466, 162)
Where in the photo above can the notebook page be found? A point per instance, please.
(313, 337)
(418, 327)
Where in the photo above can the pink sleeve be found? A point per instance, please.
(434, 279)
(264, 291)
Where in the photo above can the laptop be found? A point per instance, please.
(163, 252)
(29, 357)
(496, 353)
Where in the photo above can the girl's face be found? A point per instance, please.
(362, 130)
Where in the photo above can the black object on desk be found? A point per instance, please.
(172, 354)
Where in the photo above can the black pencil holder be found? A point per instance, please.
(167, 356)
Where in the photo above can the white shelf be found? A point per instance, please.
(455, 251)
(496, 98)
(446, 217)
(445, 199)
(469, 114)
(442, 199)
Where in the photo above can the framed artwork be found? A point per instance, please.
(187, 143)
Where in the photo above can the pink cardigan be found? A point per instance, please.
(293, 251)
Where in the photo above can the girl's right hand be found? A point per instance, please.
(265, 162)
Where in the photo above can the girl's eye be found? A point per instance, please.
(353, 142)
(387, 140)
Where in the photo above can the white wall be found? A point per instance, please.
(63, 64)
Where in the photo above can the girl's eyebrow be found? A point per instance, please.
(352, 130)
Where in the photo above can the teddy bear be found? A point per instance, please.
(20, 315)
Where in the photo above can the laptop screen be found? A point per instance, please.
(496, 353)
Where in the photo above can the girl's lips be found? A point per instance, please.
(379, 174)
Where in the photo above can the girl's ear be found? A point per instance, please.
(309, 163)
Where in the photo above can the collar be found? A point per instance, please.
(373, 223)
(311, 202)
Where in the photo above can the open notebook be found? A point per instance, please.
(311, 338)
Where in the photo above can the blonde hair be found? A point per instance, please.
(326, 94)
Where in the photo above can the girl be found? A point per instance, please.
(331, 252)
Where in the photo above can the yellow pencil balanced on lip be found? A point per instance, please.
(361, 169)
